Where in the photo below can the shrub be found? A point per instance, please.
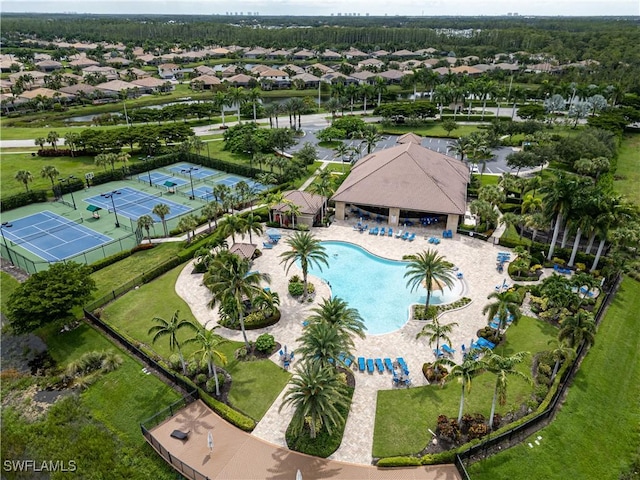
(238, 419)
(174, 362)
(105, 262)
(210, 386)
(193, 368)
(559, 261)
(399, 462)
(265, 343)
(296, 289)
(311, 288)
(201, 378)
(295, 279)
(438, 458)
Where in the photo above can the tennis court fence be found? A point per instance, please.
(90, 256)
(44, 233)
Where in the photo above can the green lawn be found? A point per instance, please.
(432, 130)
(255, 384)
(403, 431)
(595, 432)
(119, 273)
(7, 285)
(628, 170)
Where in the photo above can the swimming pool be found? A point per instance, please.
(375, 286)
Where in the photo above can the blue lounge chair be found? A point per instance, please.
(379, 365)
(411, 237)
(348, 361)
(405, 235)
(389, 364)
(390, 233)
(361, 364)
(370, 365)
(382, 232)
(374, 231)
(399, 234)
(438, 353)
(402, 363)
(459, 275)
(447, 349)
(267, 246)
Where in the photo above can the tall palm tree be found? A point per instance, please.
(340, 151)
(209, 343)
(238, 97)
(560, 352)
(370, 138)
(222, 195)
(271, 110)
(52, 138)
(101, 160)
(367, 92)
(50, 172)
(461, 147)
(506, 304)
(24, 176)
(210, 210)
(503, 367)
(124, 158)
(324, 186)
(162, 210)
(465, 372)
(429, 269)
(323, 342)
(557, 194)
(307, 250)
(221, 100)
(188, 224)
(273, 199)
(254, 96)
(335, 311)
(251, 224)
(298, 106)
(231, 281)
(171, 328)
(435, 332)
(578, 328)
(315, 393)
(146, 222)
(232, 224)
(380, 87)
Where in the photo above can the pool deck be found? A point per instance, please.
(476, 259)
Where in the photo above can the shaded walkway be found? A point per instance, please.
(240, 456)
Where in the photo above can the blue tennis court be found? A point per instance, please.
(52, 237)
(158, 178)
(133, 204)
(204, 193)
(198, 172)
(229, 181)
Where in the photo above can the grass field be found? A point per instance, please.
(628, 171)
(403, 431)
(7, 286)
(432, 130)
(255, 384)
(596, 431)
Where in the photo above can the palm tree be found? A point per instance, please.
(231, 281)
(171, 328)
(436, 332)
(333, 105)
(146, 222)
(41, 142)
(271, 110)
(461, 147)
(210, 210)
(222, 194)
(101, 160)
(52, 138)
(238, 97)
(429, 269)
(232, 224)
(315, 393)
(50, 172)
(557, 194)
(510, 219)
(371, 138)
(577, 329)
(340, 151)
(209, 342)
(254, 95)
(335, 311)
(503, 367)
(323, 343)
(304, 249)
(221, 100)
(251, 224)
(162, 210)
(379, 87)
(188, 224)
(324, 186)
(506, 305)
(297, 106)
(560, 353)
(273, 199)
(465, 372)
(24, 176)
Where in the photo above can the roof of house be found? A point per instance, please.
(79, 87)
(204, 70)
(409, 177)
(392, 74)
(117, 86)
(403, 53)
(308, 203)
(207, 80)
(239, 78)
(42, 92)
(83, 62)
(272, 72)
(409, 138)
(150, 82)
(306, 77)
(244, 250)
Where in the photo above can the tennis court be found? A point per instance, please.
(197, 173)
(230, 181)
(204, 193)
(52, 237)
(161, 179)
(133, 203)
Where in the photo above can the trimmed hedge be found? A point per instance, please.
(240, 420)
(399, 462)
(22, 199)
(105, 262)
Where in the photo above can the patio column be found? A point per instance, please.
(340, 209)
(452, 223)
(394, 216)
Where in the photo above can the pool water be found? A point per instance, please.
(375, 286)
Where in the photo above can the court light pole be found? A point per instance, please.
(4, 240)
(146, 160)
(189, 170)
(113, 203)
(68, 182)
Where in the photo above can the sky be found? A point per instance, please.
(328, 7)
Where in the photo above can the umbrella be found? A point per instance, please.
(299, 475)
(273, 232)
(210, 441)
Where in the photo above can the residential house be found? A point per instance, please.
(295, 69)
(148, 59)
(303, 55)
(354, 53)
(208, 81)
(380, 54)
(336, 77)
(365, 77)
(392, 76)
(274, 78)
(204, 70)
(169, 71)
(118, 62)
(310, 81)
(219, 52)
(82, 89)
(256, 52)
(135, 72)
(230, 71)
(114, 87)
(44, 93)
(49, 66)
(150, 84)
(109, 72)
(370, 63)
(320, 67)
(403, 54)
(330, 55)
(240, 80)
(309, 205)
(278, 54)
(83, 62)
(37, 78)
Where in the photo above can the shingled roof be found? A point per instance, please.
(409, 177)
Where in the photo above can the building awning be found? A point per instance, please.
(169, 184)
(93, 208)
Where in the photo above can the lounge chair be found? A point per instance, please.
(379, 365)
(402, 363)
(180, 435)
(447, 349)
(374, 231)
(382, 232)
(399, 234)
(438, 353)
(348, 361)
(267, 246)
(370, 365)
(390, 233)
(361, 364)
(405, 235)
(411, 237)
(459, 275)
(389, 364)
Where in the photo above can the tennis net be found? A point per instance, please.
(43, 233)
(140, 201)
